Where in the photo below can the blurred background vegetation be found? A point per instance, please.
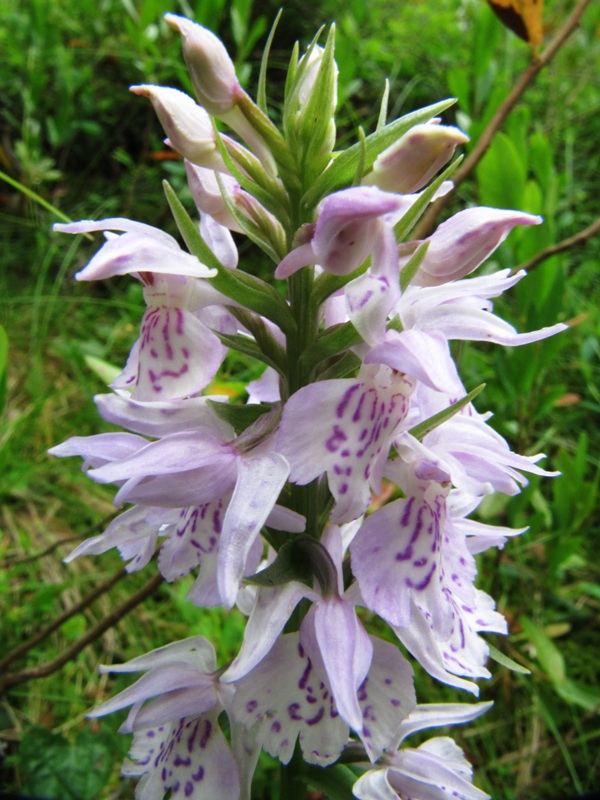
(71, 132)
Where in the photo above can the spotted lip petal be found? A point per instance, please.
(349, 438)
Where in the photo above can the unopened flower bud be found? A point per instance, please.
(186, 124)
(207, 196)
(209, 199)
(460, 244)
(211, 69)
(412, 161)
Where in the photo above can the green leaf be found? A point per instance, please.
(501, 174)
(247, 290)
(270, 239)
(341, 172)
(239, 417)
(289, 565)
(261, 94)
(547, 652)
(3, 367)
(579, 694)
(507, 662)
(423, 428)
(335, 782)
(103, 369)
(410, 269)
(53, 767)
(333, 341)
(263, 336)
(246, 345)
(340, 368)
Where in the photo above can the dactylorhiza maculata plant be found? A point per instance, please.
(271, 503)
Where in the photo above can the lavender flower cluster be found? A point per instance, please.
(276, 505)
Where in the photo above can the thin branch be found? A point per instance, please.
(560, 247)
(94, 633)
(427, 222)
(56, 623)
(10, 562)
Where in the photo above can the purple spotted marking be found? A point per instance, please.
(335, 440)
(424, 583)
(189, 789)
(317, 718)
(206, 734)
(344, 402)
(199, 775)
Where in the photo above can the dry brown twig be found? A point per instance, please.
(43, 670)
(38, 637)
(559, 247)
(427, 222)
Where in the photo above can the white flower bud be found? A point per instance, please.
(186, 124)
(412, 161)
(211, 69)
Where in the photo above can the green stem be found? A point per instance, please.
(290, 788)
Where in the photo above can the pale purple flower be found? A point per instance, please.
(177, 354)
(436, 770)
(189, 468)
(344, 428)
(346, 232)
(463, 242)
(289, 697)
(178, 744)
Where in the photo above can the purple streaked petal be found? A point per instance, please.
(177, 356)
(386, 697)
(287, 699)
(346, 651)
(134, 533)
(350, 436)
(193, 700)
(193, 540)
(190, 757)
(369, 300)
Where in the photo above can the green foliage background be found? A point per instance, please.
(71, 132)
